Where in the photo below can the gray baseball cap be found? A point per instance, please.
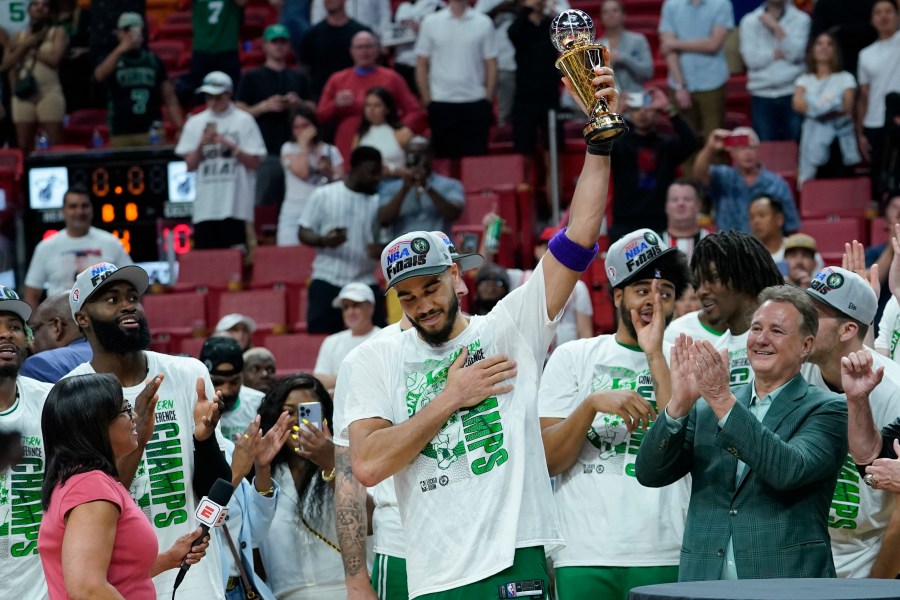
(633, 253)
(846, 292)
(102, 274)
(414, 254)
(466, 262)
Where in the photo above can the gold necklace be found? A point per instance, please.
(318, 535)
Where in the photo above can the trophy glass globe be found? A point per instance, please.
(570, 29)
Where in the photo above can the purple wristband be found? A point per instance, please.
(570, 254)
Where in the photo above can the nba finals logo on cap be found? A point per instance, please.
(641, 250)
(407, 255)
(826, 281)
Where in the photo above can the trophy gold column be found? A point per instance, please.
(572, 32)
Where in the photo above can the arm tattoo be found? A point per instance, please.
(350, 513)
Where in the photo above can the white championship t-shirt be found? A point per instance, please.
(579, 302)
(225, 188)
(489, 456)
(889, 329)
(386, 524)
(236, 420)
(859, 515)
(58, 260)
(630, 525)
(21, 573)
(163, 484)
(336, 347)
(880, 70)
(691, 325)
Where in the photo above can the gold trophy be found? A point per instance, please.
(572, 32)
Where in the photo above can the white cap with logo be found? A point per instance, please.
(632, 253)
(846, 292)
(93, 278)
(216, 83)
(414, 254)
(354, 292)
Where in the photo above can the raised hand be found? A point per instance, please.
(650, 336)
(206, 412)
(145, 409)
(246, 446)
(604, 77)
(313, 444)
(271, 443)
(631, 406)
(483, 379)
(854, 259)
(685, 392)
(885, 472)
(858, 376)
(712, 373)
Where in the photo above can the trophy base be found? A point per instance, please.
(605, 127)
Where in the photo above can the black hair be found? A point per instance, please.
(362, 155)
(698, 187)
(672, 266)
(76, 188)
(894, 193)
(308, 113)
(310, 482)
(891, 2)
(75, 426)
(740, 260)
(392, 118)
(776, 204)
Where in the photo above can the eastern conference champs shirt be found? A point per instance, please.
(163, 484)
(21, 573)
(629, 525)
(480, 488)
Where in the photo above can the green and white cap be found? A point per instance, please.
(414, 254)
(10, 302)
(846, 292)
(633, 253)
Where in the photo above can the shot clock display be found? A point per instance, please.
(143, 196)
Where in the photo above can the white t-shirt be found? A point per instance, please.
(406, 14)
(690, 324)
(236, 420)
(336, 347)
(163, 484)
(386, 523)
(629, 525)
(579, 302)
(489, 456)
(332, 206)
(826, 94)
(506, 52)
(299, 565)
(889, 329)
(20, 497)
(58, 260)
(880, 70)
(225, 188)
(456, 49)
(859, 515)
(297, 190)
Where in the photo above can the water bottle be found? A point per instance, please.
(96, 139)
(42, 142)
(153, 135)
(492, 235)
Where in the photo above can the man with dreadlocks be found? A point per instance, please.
(730, 269)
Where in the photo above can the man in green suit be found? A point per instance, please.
(764, 457)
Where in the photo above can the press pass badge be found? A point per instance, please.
(533, 588)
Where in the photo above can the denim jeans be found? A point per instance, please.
(775, 119)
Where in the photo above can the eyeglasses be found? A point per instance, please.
(128, 410)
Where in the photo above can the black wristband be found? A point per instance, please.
(600, 148)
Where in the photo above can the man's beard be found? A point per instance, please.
(625, 317)
(113, 339)
(439, 337)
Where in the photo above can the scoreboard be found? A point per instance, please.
(143, 196)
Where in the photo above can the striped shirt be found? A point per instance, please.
(333, 206)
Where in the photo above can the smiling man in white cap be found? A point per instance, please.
(224, 146)
(356, 301)
(21, 404)
(237, 326)
(449, 407)
(179, 456)
(596, 395)
(860, 517)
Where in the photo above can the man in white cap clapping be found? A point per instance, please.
(224, 146)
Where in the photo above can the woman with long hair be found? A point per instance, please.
(32, 61)
(308, 163)
(94, 541)
(300, 554)
(381, 129)
(825, 96)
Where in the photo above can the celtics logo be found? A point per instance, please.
(651, 238)
(835, 280)
(420, 245)
(8, 293)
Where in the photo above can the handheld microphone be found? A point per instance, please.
(211, 512)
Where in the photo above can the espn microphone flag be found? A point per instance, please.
(210, 512)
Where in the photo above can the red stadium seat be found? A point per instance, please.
(878, 232)
(170, 52)
(267, 307)
(780, 157)
(477, 206)
(832, 233)
(11, 161)
(81, 126)
(210, 269)
(840, 197)
(173, 317)
(480, 173)
(192, 346)
(280, 266)
(294, 353)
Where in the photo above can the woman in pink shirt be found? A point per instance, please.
(94, 541)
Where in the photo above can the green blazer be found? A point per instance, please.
(777, 514)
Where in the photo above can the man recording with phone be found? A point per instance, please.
(730, 188)
(421, 200)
